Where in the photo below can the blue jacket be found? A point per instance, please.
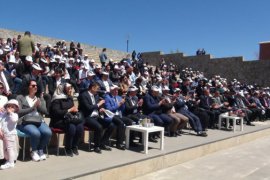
(112, 106)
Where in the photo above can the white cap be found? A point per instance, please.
(71, 59)
(7, 48)
(14, 102)
(44, 60)
(159, 78)
(64, 59)
(91, 73)
(113, 87)
(132, 88)
(49, 45)
(154, 88)
(57, 57)
(65, 53)
(36, 66)
(92, 60)
(165, 88)
(52, 60)
(12, 59)
(176, 90)
(86, 55)
(105, 73)
(116, 67)
(146, 73)
(1, 52)
(29, 58)
(97, 66)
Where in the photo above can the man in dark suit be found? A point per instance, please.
(181, 107)
(55, 80)
(206, 103)
(91, 106)
(152, 107)
(104, 84)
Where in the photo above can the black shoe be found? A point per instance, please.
(173, 134)
(106, 148)
(250, 124)
(75, 151)
(120, 146)
(69, 152)
(151, 139)
(97, 150)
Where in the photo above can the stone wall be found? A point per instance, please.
(93, 51)
(229, 67)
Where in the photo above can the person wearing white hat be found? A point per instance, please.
(152, 107)
(115, 74)
(104, 83)
(179, 120)
(83, 72)
(85, 61)
(8, 133)
(87, 81)
(115, 104)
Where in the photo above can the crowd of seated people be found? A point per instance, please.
(45, 81)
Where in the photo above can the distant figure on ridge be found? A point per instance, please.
(103, 57)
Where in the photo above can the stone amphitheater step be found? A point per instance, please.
(93, 51)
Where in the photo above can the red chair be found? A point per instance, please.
(58, 132)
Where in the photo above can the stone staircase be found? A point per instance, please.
(91, 50)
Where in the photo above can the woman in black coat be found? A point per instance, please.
(62, 104)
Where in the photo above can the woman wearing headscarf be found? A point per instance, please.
(62, 105)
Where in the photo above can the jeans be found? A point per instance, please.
(39, 136)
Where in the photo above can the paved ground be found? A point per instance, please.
(87, 162)
(246, 161)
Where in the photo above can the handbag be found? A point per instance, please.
(32, 119)
(73, 118)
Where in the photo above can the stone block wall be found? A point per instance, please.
(229, 67)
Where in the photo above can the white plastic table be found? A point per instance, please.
(145, 131)
(234, 118)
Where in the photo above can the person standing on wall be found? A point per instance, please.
(103, 57)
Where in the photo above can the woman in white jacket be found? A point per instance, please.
(8, 133)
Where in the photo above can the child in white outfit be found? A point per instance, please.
(8, 133)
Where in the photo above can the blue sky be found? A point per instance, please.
(222, 28)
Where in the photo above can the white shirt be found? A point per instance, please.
(107, 86)
(95, 112)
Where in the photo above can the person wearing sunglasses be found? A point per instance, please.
(31, 105)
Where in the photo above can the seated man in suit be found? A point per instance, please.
(207, 104)
(152, 107)
(115, 104)
(104, 84)
(91, 106)
(181, 107)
